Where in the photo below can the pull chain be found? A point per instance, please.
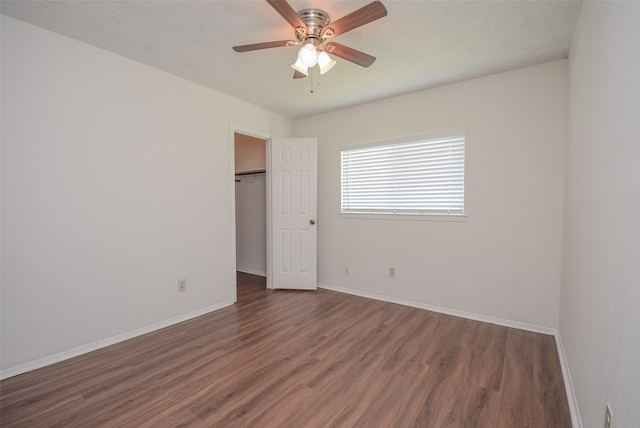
(312, 79)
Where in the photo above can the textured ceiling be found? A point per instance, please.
(418, 45)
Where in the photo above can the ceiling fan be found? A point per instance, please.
(313, 28)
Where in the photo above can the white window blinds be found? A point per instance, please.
(414, 177)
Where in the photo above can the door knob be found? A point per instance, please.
(312, 222)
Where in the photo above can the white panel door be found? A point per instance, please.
(293, 213)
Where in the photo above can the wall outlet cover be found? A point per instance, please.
(392, 272)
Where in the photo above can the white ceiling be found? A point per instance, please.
(418, 45)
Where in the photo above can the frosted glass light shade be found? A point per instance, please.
(308, 55)
(301, 67)
(325, 62)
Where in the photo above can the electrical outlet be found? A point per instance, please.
(182, 285)
(608, 417)
(346, 270)
(392, 272)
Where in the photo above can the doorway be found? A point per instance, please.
(250, 166)
(289, 178)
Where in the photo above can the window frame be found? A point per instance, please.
(399, 215)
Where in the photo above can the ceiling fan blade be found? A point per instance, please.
(265, 45)
(350, 54)
(364, 15)
(287, 12)
(298, 75)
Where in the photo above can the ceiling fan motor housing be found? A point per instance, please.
(315, 20)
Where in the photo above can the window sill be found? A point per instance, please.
(403, 217)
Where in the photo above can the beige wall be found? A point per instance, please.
(117, 181)
(600, 304)
(504, 261)
(250, 153)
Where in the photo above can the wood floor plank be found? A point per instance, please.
(546, 367)
(302, 359)
(518, 405)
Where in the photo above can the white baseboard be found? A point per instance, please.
(443, 310)
(84, 349)
(574, 410)
(251, 271)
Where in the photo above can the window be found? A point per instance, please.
(415, 176)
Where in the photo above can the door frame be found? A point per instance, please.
(237, 129)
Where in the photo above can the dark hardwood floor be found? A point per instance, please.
(302, 359)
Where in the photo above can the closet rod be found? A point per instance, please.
(252, 172)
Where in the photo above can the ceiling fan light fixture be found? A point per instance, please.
(325, 62)
(301, 67)
(312, 29)
(308, 55)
